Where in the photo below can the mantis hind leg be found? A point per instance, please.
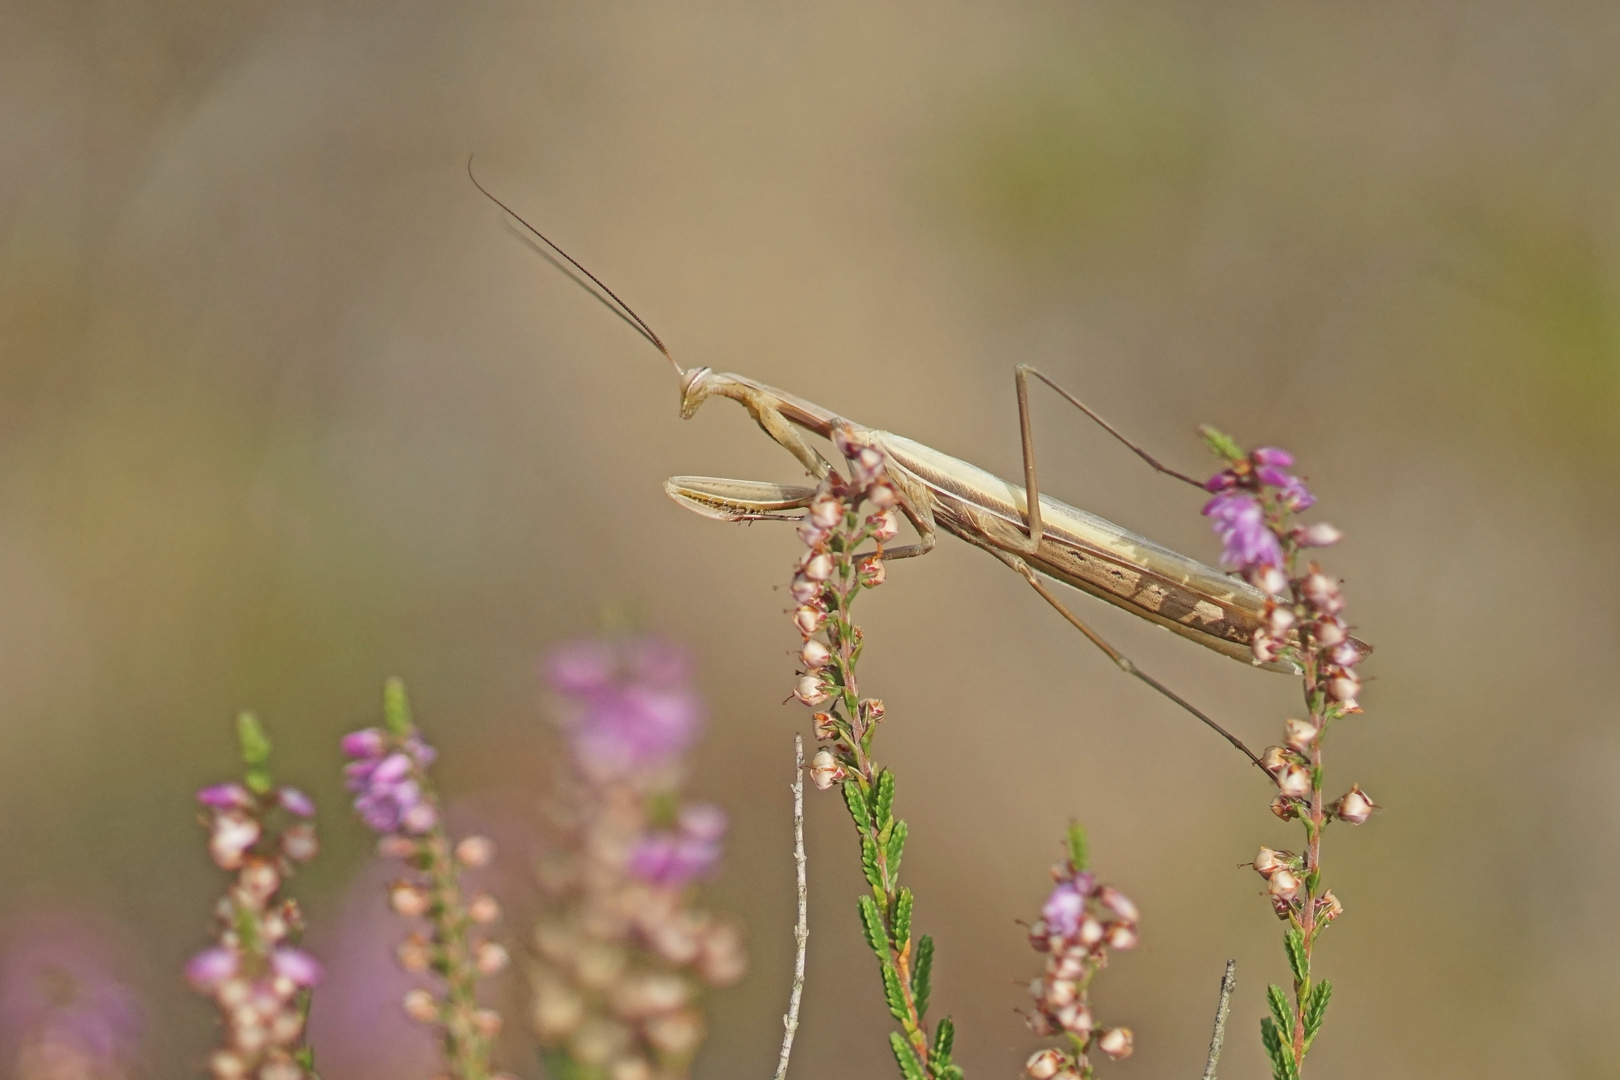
(1123, 662)
(1027, 436)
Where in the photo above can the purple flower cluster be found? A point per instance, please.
(254, 972)
(623, 951)
(680, 856)
(385, 777)
(633, 711)
(1252, 495)
(1079, 922)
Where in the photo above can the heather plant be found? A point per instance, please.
(1253, 511)
(254, 972)
(64, 1012)
(622, 949)
(395, 797)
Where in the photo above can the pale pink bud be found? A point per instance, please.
(1270, 579)
(866, 462)
(1283, 883)
(414, 953)
(1281, 620)
(1294, 781)
(227, 1066)
(872, 710)
(884, 526)
(1331, 632)
(1323, 593)
(298, 842)
(1344, 688)
(421, 1006)
(1265, 647)
(815, 654)
(676, 1034)
(825, 771)
(811, 690)
(1273, 758)
(882, 494)
(1320, 534)
(1328, 907)
(803, 589)
(1066, 966)
(1269, 861)
(489, 958)
(1055, 993)
(1120, 904)
(811, 534)
(1117, 1043)
(1345, 655)
(1285, 808)
(232, 834)
(808, 619)
(873, 572)
(1076, 1018)
(1090, 932)
(1041, 1024)
(1299, 734)
(826, 726)
(826, 511)
(487, 1022)
(475, 852)
(1039, 936)
(396, 847)
(483, 909)
(1355, 807)
(1044, 1064)
(819, 567)
(408, 900)
(1123, 936)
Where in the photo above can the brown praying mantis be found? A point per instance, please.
(1035, 535)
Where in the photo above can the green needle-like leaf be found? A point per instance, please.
(856, 803)
(1281, 1055)
(1298, 962)
(1281, 1012)
(902, 920)
(921, 971)
(255, 753)
(1079, 849)
(905, 1058)
(872, 924)
(896, 848)
(869, 863)
(895, 995)
(944, 1040)
(1316, 1009)
(883, 806)
(396, 707)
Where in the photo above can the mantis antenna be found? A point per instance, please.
(636, 321)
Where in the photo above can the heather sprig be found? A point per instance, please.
(1253, 511)
(394, 796)
(831, 574)
(622, 950)
(1080, 921)
(254, 971)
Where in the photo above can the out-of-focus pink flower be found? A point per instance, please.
(61, 1007)
(634, 709)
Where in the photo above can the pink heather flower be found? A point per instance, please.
(1240, 522)
(296, 802)
(225, 797)
(211, 967)
(1063, 909)
(635, 712)
(58, 991)
(297, 965)
(1272, 456)
(367, 743)
(387, 799)
(703, 821)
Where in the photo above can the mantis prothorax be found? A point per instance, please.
(1035, 535)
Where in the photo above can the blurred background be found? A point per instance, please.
(286, 408)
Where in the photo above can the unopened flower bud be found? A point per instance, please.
(414, 953)
(1328, 907)
(1344, 688)
(826, 511)
(1123, 936)
(1265, 647)
(811, 690)
(489, 958)
(826, 726)
(818, 567)
(1294, 780)
(1055, 993)
(1120, 904)
(1345, 655)
(1320, 534)
(1075, 1018)
(1323, 593)
(259, 880)
(232, 834)
(1285, 808)
(1273, 758)
(808, 619)
(825, 771)
(396, 847)
(872, 710)
(1039, 936)
(226, 1065)
(1299, 734)
(408, 900)
(803, 589)
(1355, 807)
(866, 463)
(1283, 883)
(475, 852)
(1270, 579)
(1090, 932)
(421, 1006)
(812, 535)
(1330, 632)
(298, 842)
(815, 654)
(1281, 620)
(1044, 1064)
(487, 1022)
(1269, 861)
(885, 526)
(1117, 1043)
(882, 494)
(873, 572)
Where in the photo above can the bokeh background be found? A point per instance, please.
(286, 408)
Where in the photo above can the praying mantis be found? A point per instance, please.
(1035, 535)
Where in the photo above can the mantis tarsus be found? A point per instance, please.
(1035, 535)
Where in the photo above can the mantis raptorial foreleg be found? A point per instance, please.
(1026, 433)
(1125, 663)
